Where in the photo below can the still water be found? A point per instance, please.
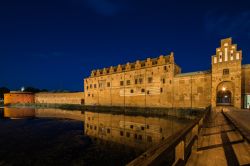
(61, 137)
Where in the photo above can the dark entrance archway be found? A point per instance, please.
(225, 93)
(224, 97)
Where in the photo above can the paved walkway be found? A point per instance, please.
(219, 144)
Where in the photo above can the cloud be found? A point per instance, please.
(228, 24)
(105, 7)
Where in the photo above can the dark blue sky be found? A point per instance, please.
(54, 44)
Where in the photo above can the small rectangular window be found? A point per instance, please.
(149, 138)
(150, 79)
(225, 71)
(121, 83)
(142, 90)
(121, 133)
(163, 80)
(161, 90)
(90, 86)
(127, 134)
(135, 81)
(131, 126)
(128, 82)
(94, 85)
(131, 91)
(140, 80)
(108, 84)
(108, 130)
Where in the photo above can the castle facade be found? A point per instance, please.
(159, 82)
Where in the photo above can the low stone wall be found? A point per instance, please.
(60, 98)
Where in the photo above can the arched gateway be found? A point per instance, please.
(225, 94)
(226, 75)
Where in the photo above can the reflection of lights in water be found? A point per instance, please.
(223, 88)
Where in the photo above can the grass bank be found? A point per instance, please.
(135, 111)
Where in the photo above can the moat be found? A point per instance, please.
(61, 137)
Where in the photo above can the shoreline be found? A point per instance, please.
(186, 113)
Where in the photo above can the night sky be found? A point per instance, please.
(54, 44)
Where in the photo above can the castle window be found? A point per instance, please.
(150, 79)
(87, 87)
(140, 137)
(135, 136)
(94, 85)
(142, 90)
(231, 57)
(121, 83)
(128, 82)
(108, 84)
(88, 95)
(163, 80)
(225, 71)
(90, 86)
(92, 95)
(131, 91)
(128, 134)
(148, 92)
(121, 133)
(140, 80)
(149, 138)
(161, 90)
(135, 81)
(108, 130)
(165, 68)
(142, 128)
(131, 126)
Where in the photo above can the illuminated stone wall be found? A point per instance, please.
(18, 97)
(60, 98)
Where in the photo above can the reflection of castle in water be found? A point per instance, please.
(135, 131)
(16, 113)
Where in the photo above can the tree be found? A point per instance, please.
(3, 90)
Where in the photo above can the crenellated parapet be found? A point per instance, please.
(149, 62)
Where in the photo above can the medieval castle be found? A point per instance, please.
(159, 82)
